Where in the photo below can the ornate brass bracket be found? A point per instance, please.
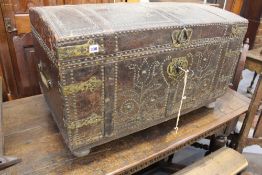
(181, 37)
(172, 69)
(91, 85)
(232, 53)
(77, 50)
(91, 120)
(238, 31)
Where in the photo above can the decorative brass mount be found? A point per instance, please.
(92, 119)
(90, 85)
(172, 69)
(76, 50)
(238, 31)
(181, 37)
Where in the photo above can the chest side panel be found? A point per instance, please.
(228, 64)
(83, 92)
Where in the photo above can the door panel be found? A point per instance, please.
(22, 22)
(4, 91)
(22, 6)
(252, 11)
(6, 63)
(234, 6)
(26, 65)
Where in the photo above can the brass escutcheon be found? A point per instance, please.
(172, 69)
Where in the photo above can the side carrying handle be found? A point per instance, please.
(45, 80)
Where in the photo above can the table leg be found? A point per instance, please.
(252, 82)
(250, 115)
(217, 142)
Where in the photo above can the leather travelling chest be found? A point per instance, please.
(110, 70)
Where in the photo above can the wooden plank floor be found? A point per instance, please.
(31, 134)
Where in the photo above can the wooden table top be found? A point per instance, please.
(31, 134)
(254, 60)
(255, 54)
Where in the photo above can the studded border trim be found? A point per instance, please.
(50, 54)
(66, 40)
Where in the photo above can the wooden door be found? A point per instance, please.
(3, 83)
(17, 53)
(253, 12)
(6, 64)
(234, 6)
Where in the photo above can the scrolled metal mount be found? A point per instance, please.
(238, 31)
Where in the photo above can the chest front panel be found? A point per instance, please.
(146, 91)
(140, 91)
